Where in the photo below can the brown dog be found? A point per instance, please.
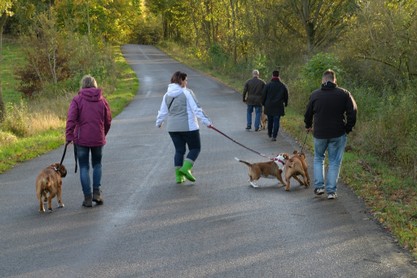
(270, 169)
(49, 185)
(296, 166)
(264, 120)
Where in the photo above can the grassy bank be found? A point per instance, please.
(46, 131)
(390, 197)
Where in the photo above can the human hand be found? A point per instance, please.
(309, 129)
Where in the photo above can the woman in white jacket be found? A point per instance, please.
(180, 109)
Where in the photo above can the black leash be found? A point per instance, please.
(228, 137)
(65, 151)
(75, 155)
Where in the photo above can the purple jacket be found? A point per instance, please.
(89, 118)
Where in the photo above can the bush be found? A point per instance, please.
(314, 68)
(17, 119)
(7, 138)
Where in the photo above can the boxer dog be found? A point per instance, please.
(296, 166)
(264, 120)
(270, 169)
(49, 185)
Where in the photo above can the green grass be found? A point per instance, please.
(11, 58)
(27, 148)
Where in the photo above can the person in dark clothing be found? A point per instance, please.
(334, 112)
(275, 97)
(252, 96)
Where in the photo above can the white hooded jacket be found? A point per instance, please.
(180, 109)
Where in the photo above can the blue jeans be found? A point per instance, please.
(273, 125)
(335, 149)
(183, 139)
(258, 112)
(83, 154)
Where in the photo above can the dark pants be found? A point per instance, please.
(273, 125)
(191, 139)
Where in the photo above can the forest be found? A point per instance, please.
(371, 45)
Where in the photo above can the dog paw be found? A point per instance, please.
(61, 206)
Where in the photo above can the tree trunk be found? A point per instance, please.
(3, 19)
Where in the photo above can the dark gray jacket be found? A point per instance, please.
(252, 91)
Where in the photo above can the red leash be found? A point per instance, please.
(236, 142)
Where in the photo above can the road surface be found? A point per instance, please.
(218, 227)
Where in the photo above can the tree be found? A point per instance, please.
(5, 7)
(381, 48)
(318, 22)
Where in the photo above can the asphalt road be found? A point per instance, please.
(218, 227)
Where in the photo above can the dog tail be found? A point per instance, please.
(244, 162)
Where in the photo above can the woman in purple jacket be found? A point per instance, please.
(88, 122)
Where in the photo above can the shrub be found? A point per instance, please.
(314, 68)
(7, 138)
(17, 119)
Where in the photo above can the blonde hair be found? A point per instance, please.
(88, 82)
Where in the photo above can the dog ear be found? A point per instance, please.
(62, 171)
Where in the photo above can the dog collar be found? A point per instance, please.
(279, 163)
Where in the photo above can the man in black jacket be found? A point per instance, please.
(275, 97)
(252, 96)
(334, 112)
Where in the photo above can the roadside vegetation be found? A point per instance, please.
(49, 46)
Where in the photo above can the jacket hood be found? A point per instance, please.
(174, 90)
(91, 94)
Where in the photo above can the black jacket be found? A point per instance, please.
(334, 111)
(274, 97)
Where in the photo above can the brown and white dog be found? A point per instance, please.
(296, 166)
(270, 169)
(49, 185)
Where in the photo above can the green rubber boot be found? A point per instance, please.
(186, 170)
(179, 177)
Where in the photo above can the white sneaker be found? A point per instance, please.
(331, 196)
(319, 191)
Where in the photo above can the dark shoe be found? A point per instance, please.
(274, 139)
(319, 191)
(248, 128)
(256, 129)
(97, 197)
(331, 196)
(88, 201)
(269, 135)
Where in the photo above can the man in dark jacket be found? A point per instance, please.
(275, 96)
(252, 96)
(334, 112)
